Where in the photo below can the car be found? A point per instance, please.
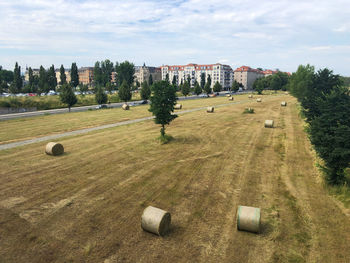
(102, 106)
(203, 96)
(144, 102)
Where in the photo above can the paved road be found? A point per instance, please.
(83, 108)
(86, 130)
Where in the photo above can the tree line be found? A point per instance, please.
(325, 104)
(275, 82)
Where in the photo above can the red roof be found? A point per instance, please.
(247, 69)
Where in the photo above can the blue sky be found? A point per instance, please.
(269, 34)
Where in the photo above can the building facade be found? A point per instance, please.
(218, 73)
(142, 73)
(86, 75)
(247, 75)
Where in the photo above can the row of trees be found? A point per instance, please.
(275, 82)
(326, 105)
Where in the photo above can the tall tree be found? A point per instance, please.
(235, 86)
(106, 69)
(51, 78)
(97, 74)
(30, 79)
(202, 80)
(124, 91)
(125, 72)
(17, 79)
(150, 80)
(145, 91)
(259, 85)
(197, 89)
(43, 83)
(162, 105)
(63, 77)
(185, 90)
(174, 81)
(74, 75)
(67, 96)
(209, 80)
(207, 88)
(217, 87)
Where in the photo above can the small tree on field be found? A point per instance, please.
(100, 96)
(207, 88)
(145, 91)
(162, 105)
(185, 89)
(197, 89)
(67, 96)
(217, 87)
(125, 92)
(235, 86)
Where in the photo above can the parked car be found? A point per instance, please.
(102, 106)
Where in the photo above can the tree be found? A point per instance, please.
(74, 75)
(207, 88)
(174, 81)
(276, 83)
(17, 79)
(259, 85)
(202, 80)
(125, 72)
(83, 88)
(43, 83)
(106, 70)
(97, 74)
(235, 86)
(63, 77)
(51, 78)
(145, 91)
(301, 80)
(3, 86)
(101, 96)
(109, 87)
(185, 89)
(150, 80)
(209, 80)
(197, 89)
(189, 80)
(30, 79)
(330, 133)
(167, 77)
(67, 96)
(124, 92)
(162, 105)
(217, 87)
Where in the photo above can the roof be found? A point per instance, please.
(247, 69)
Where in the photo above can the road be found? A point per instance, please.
(82, 108)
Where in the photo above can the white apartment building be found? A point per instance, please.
(218, 73)
(247, 75)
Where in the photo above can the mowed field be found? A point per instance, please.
(86, 205)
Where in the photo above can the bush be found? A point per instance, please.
(248, 111)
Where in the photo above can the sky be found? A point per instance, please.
(271, 34)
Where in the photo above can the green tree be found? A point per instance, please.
(185, 88)
(162, 105)
(67, 96)
(276, 83)
(63, 77)
(207, 88)
(197, 89)
(145, 91)
(330, 133)
(74, 75)
(189, 80)
(167, 77)
(106, 70)
(150, 80)
(30, 79)
(209, 80)
(174, 81)
(109, 87)
(125, 72)
(83, 88)
(259, 85)
(202, 80)
(17, 79)
(124, 91)
(301, 80)
(97, 74)
(51, 78)
(101, 96)
(235, 86)
(43, 83)
(217, 87)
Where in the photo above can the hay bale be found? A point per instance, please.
(155, 220)
(210, 109)
(248, 110)
(250, 96)
(228, 95)
(269, 124)
(125, 106)
(54, 148)
(258, 100)
(178, 107)
(286, 93)
(284, 103)
(248, 219)
(230, 98)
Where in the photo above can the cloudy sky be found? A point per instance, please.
(259, 33)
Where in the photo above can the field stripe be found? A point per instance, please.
(86, 130)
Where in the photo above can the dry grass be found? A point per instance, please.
(85, 206)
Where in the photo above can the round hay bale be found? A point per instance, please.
(250, 96)
(125, 106)
(178, 107)
(54, 148)
(269, 124)
(230, 98)
(286, 93)
(258, 100)
(248, 219)
(155, 220)
(284, 103)
(210, 109)
(228, 95)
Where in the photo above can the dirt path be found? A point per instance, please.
(85, 206)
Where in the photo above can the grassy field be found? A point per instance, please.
(28, 128)
(86, 205)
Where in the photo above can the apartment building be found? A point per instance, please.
(247, 75)
(58, 75)
(142, 73)
(269, 72)
(86, 75)
(218, 73)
